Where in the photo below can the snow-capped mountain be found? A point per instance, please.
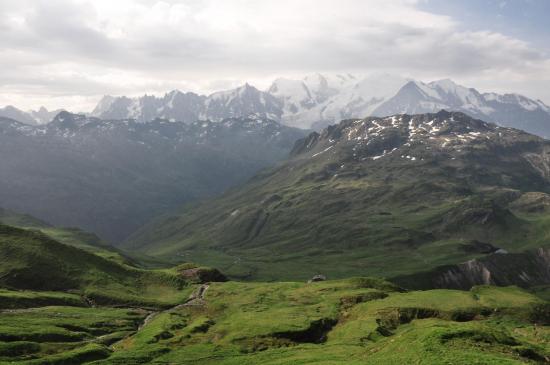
(510, 110)
(31, 117)
(189, 107)
(319, 100)
(174, 106)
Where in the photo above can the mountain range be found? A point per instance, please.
(112, 176)
(378, 196)
(318, 100)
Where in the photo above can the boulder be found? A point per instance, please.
(316, 278)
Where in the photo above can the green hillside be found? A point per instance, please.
(380, 196)
(32, 260)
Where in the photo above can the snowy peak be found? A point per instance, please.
(293, 94)
(292, 90)
(319, 100)
(516, 99)
(242, 101)
(103, 106)
(323, 87)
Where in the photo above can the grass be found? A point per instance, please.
(10, 299)
(62, 334)
(60, 304)
(352, 321)
(349, 321)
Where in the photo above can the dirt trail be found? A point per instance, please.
(195, 299)
(147, 319)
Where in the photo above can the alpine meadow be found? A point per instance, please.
(291, 182)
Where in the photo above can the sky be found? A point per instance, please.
(69, 53)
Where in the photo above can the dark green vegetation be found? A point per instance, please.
(33, 261)
(380, 196)
(112, 176)
(78, 238)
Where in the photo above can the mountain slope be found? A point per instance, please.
(379, 196)
(111, 176)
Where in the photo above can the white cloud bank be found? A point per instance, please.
(67, 53)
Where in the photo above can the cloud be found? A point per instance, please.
(57, 51)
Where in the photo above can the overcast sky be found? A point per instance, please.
(68, 53)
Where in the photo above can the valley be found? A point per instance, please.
(112, 176)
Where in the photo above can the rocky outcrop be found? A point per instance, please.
(202, 275)
(522, 269)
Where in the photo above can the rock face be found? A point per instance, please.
(522, 269)
(112, 176)
(373, 196)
